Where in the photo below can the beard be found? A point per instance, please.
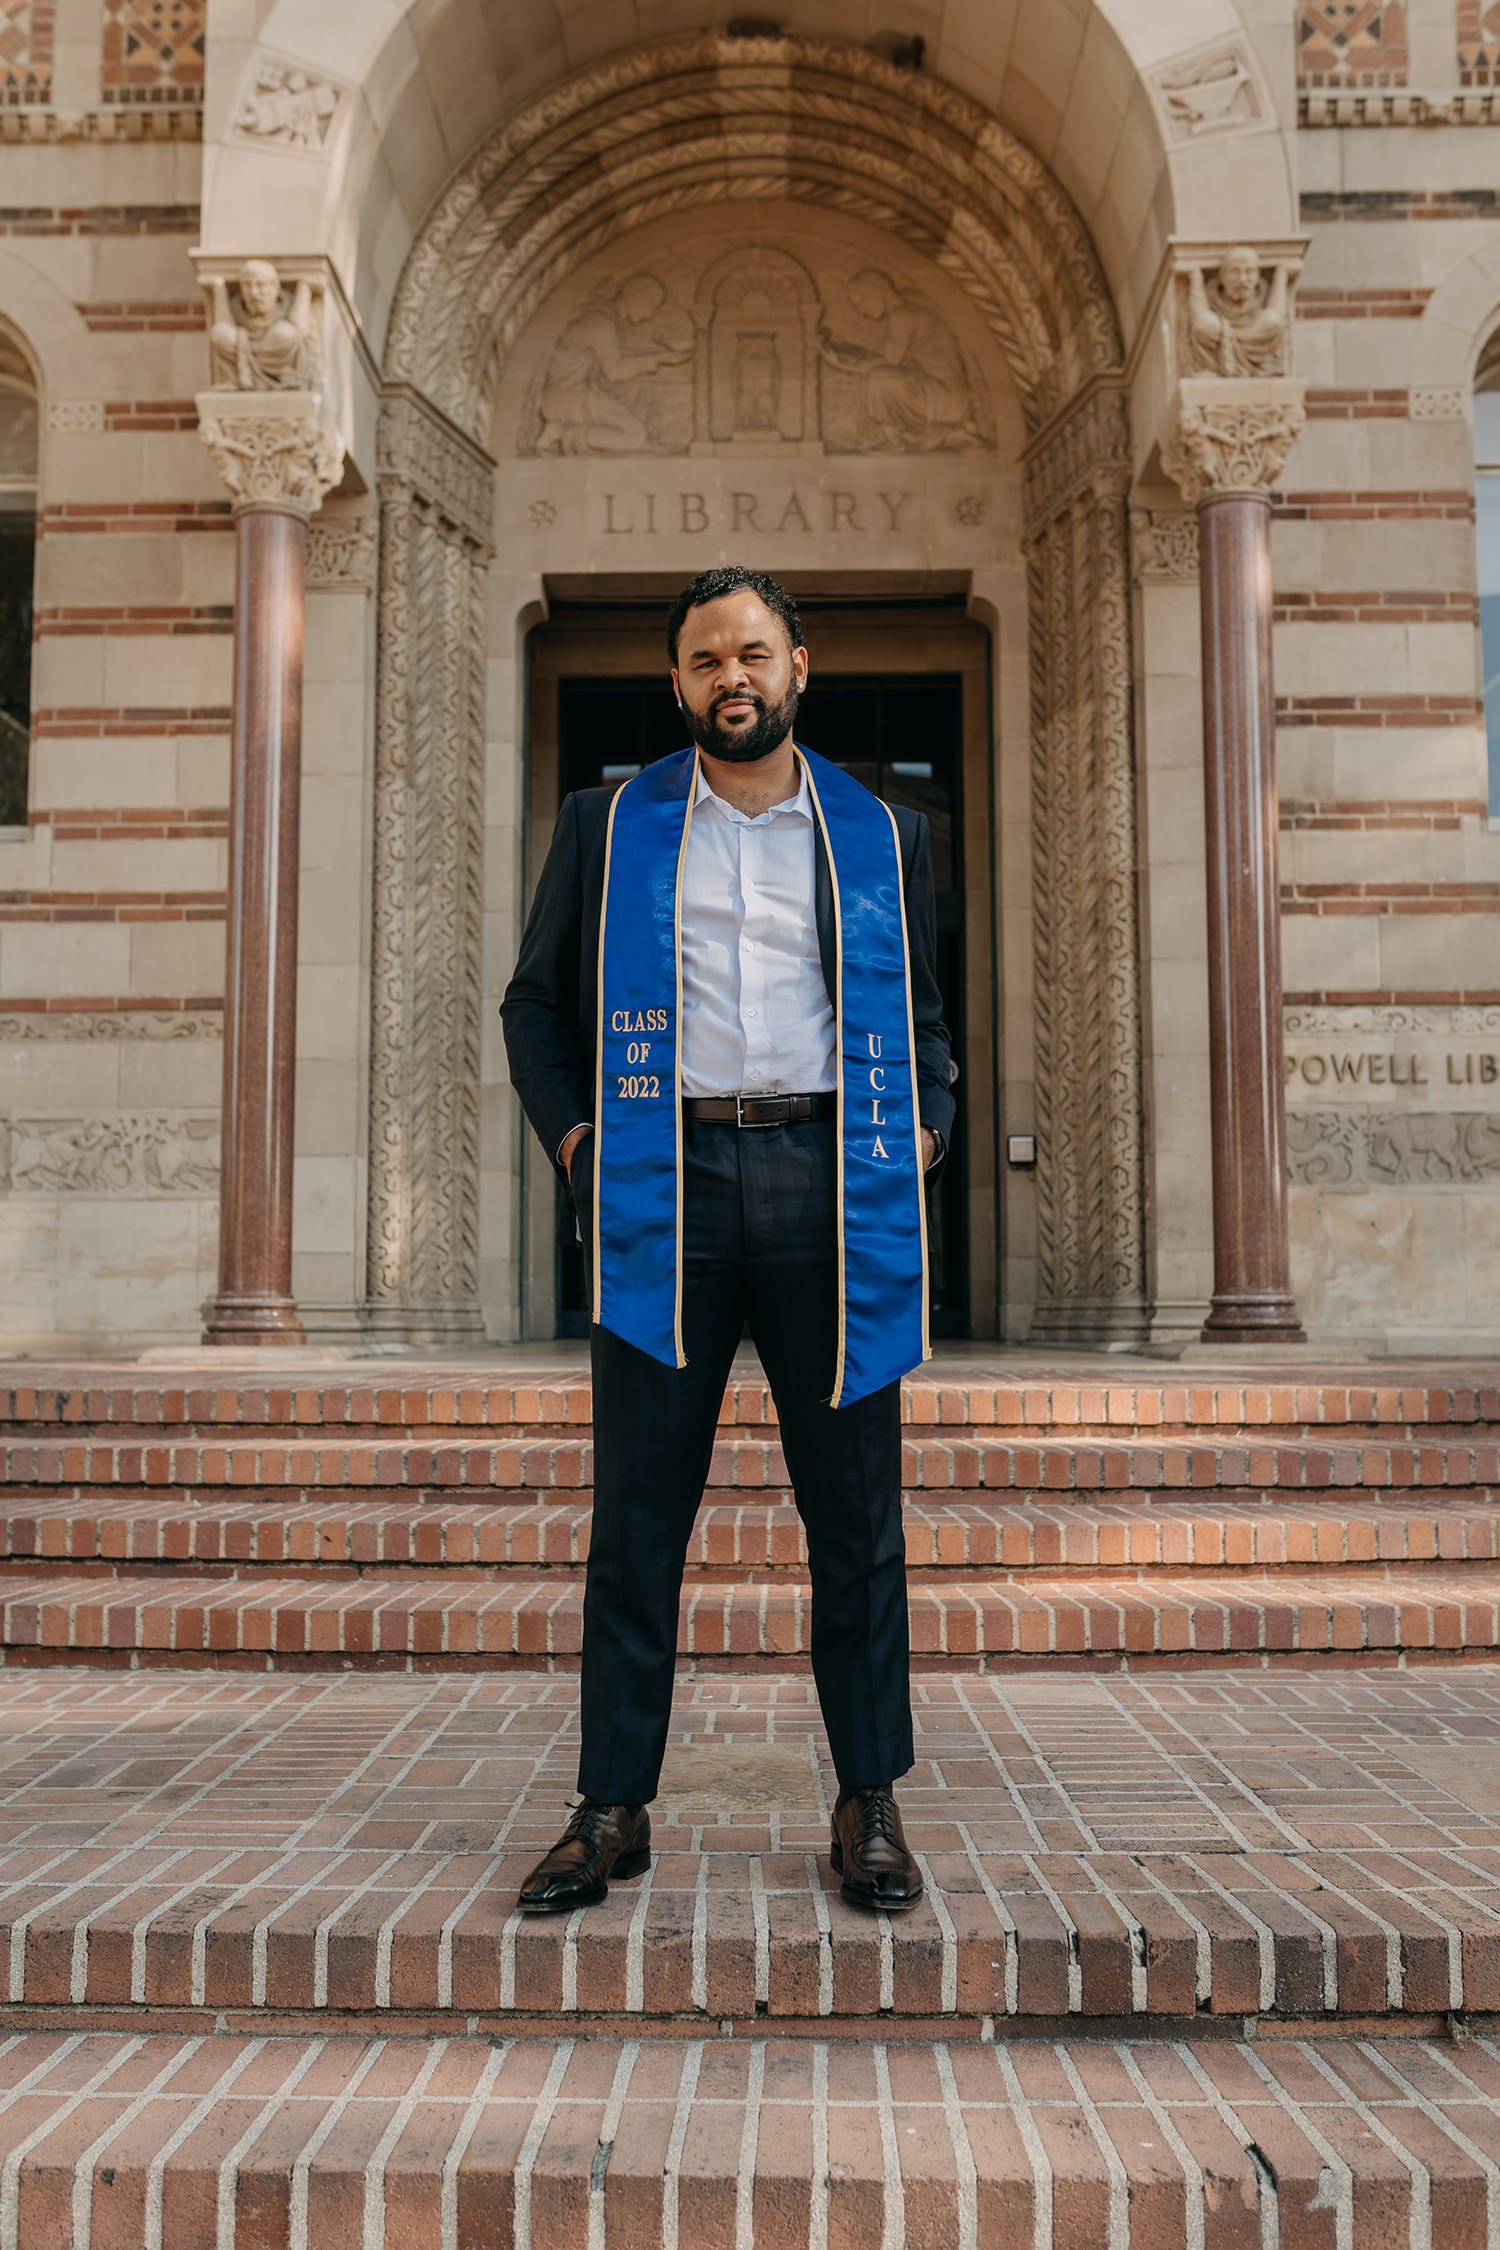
(743, 746)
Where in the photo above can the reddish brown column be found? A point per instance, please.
(254, 1303)
(1252, 1260)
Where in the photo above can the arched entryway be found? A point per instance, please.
(968, 223)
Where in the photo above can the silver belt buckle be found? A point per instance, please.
(755, 1124)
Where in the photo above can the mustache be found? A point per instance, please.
(736, 695)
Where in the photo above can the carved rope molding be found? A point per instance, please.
(422, 1242)
(1090, 1174)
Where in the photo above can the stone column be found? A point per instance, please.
(272, 446)
(1229, 439)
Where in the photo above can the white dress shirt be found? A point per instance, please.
(756, 1016)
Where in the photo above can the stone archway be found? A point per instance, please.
(668, 128)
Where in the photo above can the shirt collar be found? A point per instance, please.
(792, 808)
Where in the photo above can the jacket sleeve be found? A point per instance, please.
(934, 1091)
(543, 1038)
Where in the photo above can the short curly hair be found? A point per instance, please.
(732, 578)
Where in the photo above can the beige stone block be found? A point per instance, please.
(1304, 763)
(1175, 919)
(1174, 820)
(1481, 1225)
(176, 958)
(334, 822)
(1408, 762)
(1346, 257)
(1331, 952)
(197, 668)
(1179, 1008)
(1363, 659)
(68, 670)
(325, 1279)
(323, 1204)
(329, 1011)
(114, 770)
(334, 903)
(328, 1107)
(48, 960)
(1429, 953)
(335, 726)
(1171, 708)
(1371, 1261)
(132, 1269)
(28, 1268)
(170, 1073)
(339, 644)
(1442, 659)
(1170, 628)
(170, 863)
(59, 1077)
(202, 770)
(138, 569)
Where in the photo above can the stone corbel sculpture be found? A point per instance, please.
(261, 340)
(1238, 323)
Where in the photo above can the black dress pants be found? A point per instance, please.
(759, 1245)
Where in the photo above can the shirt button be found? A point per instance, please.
(752, 1011)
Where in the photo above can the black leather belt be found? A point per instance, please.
(759, 1109)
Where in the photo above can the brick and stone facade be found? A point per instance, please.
(1038, 203)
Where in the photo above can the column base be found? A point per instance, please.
(1251, 1319)
(252, 1320)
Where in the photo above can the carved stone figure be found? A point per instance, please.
(288, 106)
(1209, 92)
(915, 389)
(596, 392)
(259, 341)
(1236, 323)
(757, 383)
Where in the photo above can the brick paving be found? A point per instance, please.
(1260, 1847)
(403, 2144)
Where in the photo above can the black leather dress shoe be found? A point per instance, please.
(599, 1841)
(869, 1851)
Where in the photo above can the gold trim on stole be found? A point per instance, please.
(916, 1092)
(609, 838)
(838, 1034)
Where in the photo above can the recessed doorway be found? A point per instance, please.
(905, 711)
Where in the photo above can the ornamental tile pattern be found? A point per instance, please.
(1479, 42)
(153, 51)
(26, 41)
(1351, 43)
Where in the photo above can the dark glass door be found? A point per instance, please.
(901, 734)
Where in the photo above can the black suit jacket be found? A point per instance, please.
(551, 1005)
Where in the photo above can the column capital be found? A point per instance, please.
(1231, 435)
(273, 448)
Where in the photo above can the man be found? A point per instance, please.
(725, 1029)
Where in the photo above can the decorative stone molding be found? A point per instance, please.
(170, 121)
(128, 1154)
(417, 448)
(1211, 91)
(74, 414)
(1393, 1147)
(274, 449)
(1452, 1020)
(704, 118)
(1397, 105)
(287, 106)
(26, 1026)
(1163, 544)
(1231, 436)
(341, 554)
(1438, 403)
(1090, 1174)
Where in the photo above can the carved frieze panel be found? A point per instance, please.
(287, 106)
(1213, 90)
(106, 1026)
(127, 1154)
(1421, 1056)
(757, 350)
(1163, 544)
(341, 554)
(1334, 1148)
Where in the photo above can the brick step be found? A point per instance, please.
(432, 1620)
(957, 1460)
(266, 1930)
(416, 2144)
(110, 1530)
(1401, 1402)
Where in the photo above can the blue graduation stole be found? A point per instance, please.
(638, 1091)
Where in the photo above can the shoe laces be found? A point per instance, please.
(586, 1818)
(878, 1812)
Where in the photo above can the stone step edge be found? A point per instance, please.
(540, 1618)
(962, 1464)
(410, 2144)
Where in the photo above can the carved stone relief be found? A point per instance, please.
(341, 554)
(1211, 92)
(1393, 1147)
(76, 414)
(128, 1154)
(1438, 403)
(757, 351)
(1164, 543)
(25, 1026)
(1230, 444)
(287, 107)
(1237, 320)
(261, 336)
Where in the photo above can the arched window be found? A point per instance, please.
(1487, 513)
(18, 428)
